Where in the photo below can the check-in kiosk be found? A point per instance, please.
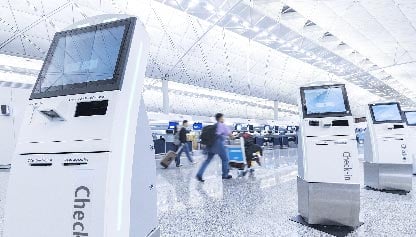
(387, 161)
(12, 105)
(84, 164)
(328, 177)
(410, 117)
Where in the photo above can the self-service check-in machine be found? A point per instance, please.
(410, 117)
(387, 161)
(84, 163)
(12, 105)
(328, 178)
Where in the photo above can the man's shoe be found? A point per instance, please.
(200, 179)
(227, 177)
(179, 166)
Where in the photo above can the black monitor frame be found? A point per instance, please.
(93, 86)
(370, 107)
(328, 114)
(405, 117)
(276, 128)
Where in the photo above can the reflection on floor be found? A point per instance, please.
(261, 205)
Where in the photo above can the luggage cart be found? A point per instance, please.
(236, 152)
(236, 156)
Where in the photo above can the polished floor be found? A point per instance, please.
(262, 204)
(256, 205)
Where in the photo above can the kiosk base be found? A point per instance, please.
(335, 230)
(388, 176)
(329, 203)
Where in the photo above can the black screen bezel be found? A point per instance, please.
(370, 107)
(328, 114)
(94, 86)
(405, 117)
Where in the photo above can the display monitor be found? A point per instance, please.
(266, 128)
(276, 128)
(386, 113)
(325, 101)
(85, 60)
(197, 126)
(172, 125)
(250, 127)
(238, 127)
(410, 118)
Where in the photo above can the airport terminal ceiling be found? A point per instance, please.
(262, 49)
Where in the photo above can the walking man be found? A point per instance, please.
(222, 132)
(183, 146)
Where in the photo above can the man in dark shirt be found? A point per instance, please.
(183, 146)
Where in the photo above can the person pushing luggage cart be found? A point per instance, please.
(242, 153)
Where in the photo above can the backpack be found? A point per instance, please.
(208, 135)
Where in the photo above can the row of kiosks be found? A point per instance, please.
(410, 117)
(83, 164)
(328, 166)
(387, 156)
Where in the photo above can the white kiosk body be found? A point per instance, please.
(13, 102)
(328, 175)
(387, 163)
(84, 164)
(410, 117)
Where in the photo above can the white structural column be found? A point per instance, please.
(275, 109)
(165, 92)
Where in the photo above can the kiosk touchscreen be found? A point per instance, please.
(411, 123)
(83, 164)
(387, 161)
(328, 178)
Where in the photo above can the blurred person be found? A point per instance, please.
(218, 148)
(183, 145)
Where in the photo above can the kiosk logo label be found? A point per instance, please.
(80, 213)
(347, 166)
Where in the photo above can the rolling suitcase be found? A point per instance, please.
(169, 157)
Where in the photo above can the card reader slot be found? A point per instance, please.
(61, 153)
(91, 108)
(340, 123)
(75, 164)
(41, 164)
